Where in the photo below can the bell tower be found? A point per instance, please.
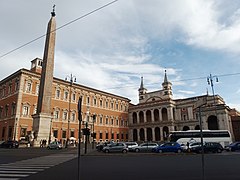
(142, 91)
(167, 87)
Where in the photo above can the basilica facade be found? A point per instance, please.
(157, 113)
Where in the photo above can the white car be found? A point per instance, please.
(131, 145)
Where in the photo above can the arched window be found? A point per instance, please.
(149, 116)
(164, 114)
(141, 117)
(156, 114)
(212, 123)
(185, 128)
(134, 116)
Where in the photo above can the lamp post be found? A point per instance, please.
(93, 134)
(71, 79)
(210, 79)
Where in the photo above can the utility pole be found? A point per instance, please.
(71, 80)
(93, 133)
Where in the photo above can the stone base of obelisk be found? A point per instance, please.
(41, 128)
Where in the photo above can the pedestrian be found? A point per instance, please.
(41, 143)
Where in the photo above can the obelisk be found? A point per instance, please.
(42, 119)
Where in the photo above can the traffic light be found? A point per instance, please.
(86, 131)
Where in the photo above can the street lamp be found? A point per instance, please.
(210, 79)
(71, 79)
(93, 134)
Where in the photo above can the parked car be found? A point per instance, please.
(168, 147)
(144, 147)
(213, 147)
(100, 146)
(131, 145)
(235, 146)
(10, 144)
(55, 145)
(116, 147)
(187, 148)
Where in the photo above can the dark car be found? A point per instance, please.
(213, 147)
(233, 146)
(10, 144)
(168, 147)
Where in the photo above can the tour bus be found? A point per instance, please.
(183, 137)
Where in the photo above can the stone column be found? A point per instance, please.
(152, 115)
(153, 134)
(145, 134)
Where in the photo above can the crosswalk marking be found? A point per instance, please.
(24, 168)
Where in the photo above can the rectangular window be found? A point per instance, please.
(106, 120)
(73, 116)
(16, 85)
(72, 134)
(127, 136)
(25, 110)
(112, 136)
(64, 133)
(74, 97)
(56, 114)
(65, 95)
(10, 89)
(58, 94)
(106, 135)
(29, 86)
(10, 132)
(3, 132)
(55, 133)
(13, 109)
(117, 107)
(111, 105)
(23, 132)
(100, 120)
(95, 102)
(122, 137)
(100, 135)
(65, 115)
(117, 135)
(6, 111)
(117, 122)
(88, 100)
(100, 103)
(1, 111)
(106, 104)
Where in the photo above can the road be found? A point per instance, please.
(39, 164)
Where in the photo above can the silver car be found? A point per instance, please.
(144, 147)
(116, 147)
(55, 145)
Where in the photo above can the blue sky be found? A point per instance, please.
(112, 48)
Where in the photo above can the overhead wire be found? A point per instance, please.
(60, 27)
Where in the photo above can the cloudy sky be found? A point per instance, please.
(112, 48)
